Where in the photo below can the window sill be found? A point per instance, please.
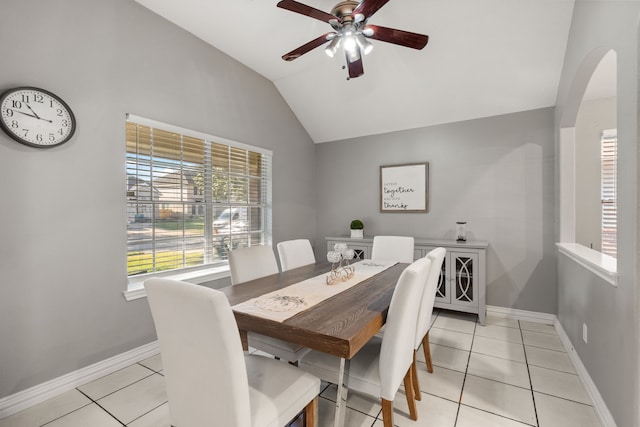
(602, 265)
(136, 284)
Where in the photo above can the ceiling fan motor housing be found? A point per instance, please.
(344, 9)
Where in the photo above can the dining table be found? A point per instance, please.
(339, 325)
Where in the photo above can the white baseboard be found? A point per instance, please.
(24, 399)
(606, 419)
(529, 316)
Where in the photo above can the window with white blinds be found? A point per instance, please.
(191, 197)
(608, 191)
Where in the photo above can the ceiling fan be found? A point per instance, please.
(351, 31)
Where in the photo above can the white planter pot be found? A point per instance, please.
(357, 234)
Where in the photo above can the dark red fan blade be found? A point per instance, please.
(356, 68)
(298, 52)
(399, 37)
(303, 9)
(368, 7)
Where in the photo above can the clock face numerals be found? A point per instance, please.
(36, 117)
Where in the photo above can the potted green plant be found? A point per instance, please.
(357, 229)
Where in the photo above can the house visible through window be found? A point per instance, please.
(609, 162)
(191, 197)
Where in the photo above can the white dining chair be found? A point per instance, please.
(392, 248)
(254, 262)
(436, 256)
(250, 263)
(295, 253)
(209, 381)
(381, 365)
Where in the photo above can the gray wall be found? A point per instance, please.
(495, 173)
(63, 232)
(594, 117)
(611, 356)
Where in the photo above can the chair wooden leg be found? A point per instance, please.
(427, 353)
(414, 376)
(387, 413)
(409, 393)
(244, 340)
(311, 413)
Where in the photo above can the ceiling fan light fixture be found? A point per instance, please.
(349, 41)
(353, 55)
(365, 45)
(358, 17)
(332, 47)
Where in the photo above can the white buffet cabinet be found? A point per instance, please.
(462, 275)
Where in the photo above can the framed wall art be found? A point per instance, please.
(404, 188)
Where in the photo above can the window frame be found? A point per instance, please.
(218, 268)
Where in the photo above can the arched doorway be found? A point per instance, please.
(590, 112)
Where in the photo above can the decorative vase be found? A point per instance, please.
(461, 231)
(357, 234)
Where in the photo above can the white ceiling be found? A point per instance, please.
(484, 58)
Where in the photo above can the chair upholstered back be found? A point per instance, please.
(198, 336)
(251, 263)
(396, 351)
(295, 253)
(436, 256)
(392, 248)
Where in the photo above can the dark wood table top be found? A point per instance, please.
(339, 325)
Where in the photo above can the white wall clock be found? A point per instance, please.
(36, 117)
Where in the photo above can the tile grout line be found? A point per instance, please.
(120, 389)
(464, 380)
(501, 382)
(375, 417)
(500, 416)
(526, 360)
(101, 407)
(68, 413)
(565, 399)
(149, 411)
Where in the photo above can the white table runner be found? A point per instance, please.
(287, 302)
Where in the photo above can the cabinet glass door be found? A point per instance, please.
(442, 291)
(359, 254)
(465, 289)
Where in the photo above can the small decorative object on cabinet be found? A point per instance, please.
(461, 231)
(357, 229)
(462, 282)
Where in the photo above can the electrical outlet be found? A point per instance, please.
(584, 332)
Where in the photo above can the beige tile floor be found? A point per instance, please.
(507, 373)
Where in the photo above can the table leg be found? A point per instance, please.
(341, 396)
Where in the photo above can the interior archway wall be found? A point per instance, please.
(567, 169)
(610, 357)
(579, 85)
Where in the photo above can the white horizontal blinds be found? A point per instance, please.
(609, 162)
(238, 180)
(178, 186)
(165, 221)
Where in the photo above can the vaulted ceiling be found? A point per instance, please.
(484, 58)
